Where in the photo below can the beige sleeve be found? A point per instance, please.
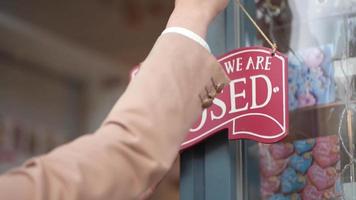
(138, 141)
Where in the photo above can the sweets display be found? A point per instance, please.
(305, 169)
(319, 37)
(310, 77)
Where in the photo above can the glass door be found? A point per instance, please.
(316, 160)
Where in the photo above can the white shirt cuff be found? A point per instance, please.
(189, 34)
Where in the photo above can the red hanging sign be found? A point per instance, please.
(255, 104)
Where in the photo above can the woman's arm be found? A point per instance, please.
(140, 138)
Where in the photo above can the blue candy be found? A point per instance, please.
(279, 197)
(317, 80)
(294, 196)
(302, 146)
(301, 163)
(291, 181)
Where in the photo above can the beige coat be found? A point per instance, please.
(138, 141)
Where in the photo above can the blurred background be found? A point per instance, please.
(63, 64)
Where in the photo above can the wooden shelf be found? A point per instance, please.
(315, 121)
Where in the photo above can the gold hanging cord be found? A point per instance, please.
(272, 44)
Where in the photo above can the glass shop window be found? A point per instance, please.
(316, 160)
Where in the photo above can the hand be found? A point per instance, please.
(196, 15)
(209, 8)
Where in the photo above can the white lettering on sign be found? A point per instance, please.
(222, 106)
(234, 99)
(234, 96)
(258, 63)
(233, 65)
(254, 91)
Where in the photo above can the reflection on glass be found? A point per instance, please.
(316, 160)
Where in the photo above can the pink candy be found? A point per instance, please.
(281, 150)
(322, 178)
(269, 185)
(306, 100)
(310, 192)
(269, 166)
(313, 57)
(326, 151)
(322, 160)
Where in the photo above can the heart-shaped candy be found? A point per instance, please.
(291, 181)
(301, 163)
(268, 165)
(278, 197)
(269, 185)
(313, 57)
(334, 192)
(331, 194)
(326, 151)
(294, 196)
(281, 150)
(272, 167)
(322, 178)
(310, 192)
(302, 146)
